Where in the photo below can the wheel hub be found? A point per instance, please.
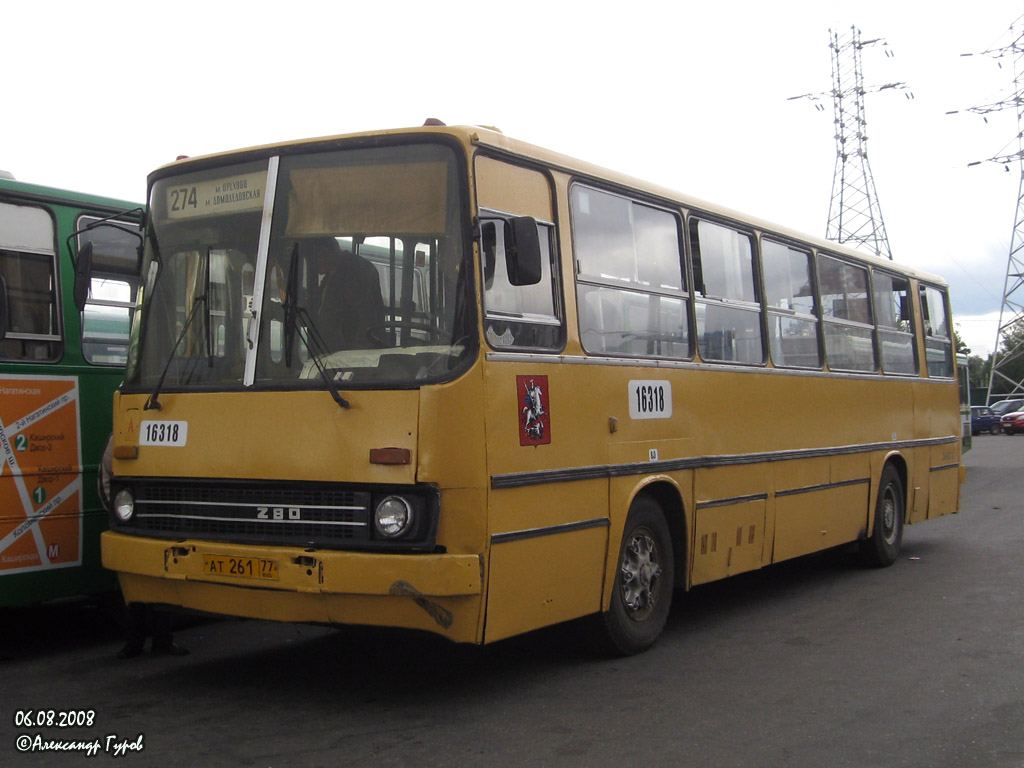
(640, 576)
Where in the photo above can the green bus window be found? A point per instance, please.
(27, 272)
(107, 317)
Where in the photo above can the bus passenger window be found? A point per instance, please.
(938, 340)
(846, 307)
(728, 315)
(789, 296)
(630, 288)
(27, 277)
(519, 316)
(895, 326)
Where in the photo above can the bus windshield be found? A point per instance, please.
(339, 269)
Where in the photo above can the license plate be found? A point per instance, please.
(241, 567)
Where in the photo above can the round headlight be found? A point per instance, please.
(393, 517)
(124, 505)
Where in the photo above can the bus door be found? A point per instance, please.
(548, 540)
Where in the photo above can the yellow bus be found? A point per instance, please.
(439, 379)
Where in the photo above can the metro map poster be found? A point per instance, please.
(40, 474)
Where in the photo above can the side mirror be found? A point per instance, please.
(4, 319)
(522, 254)
(83, 275)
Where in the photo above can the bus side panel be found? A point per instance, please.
(817, 516)
(729, 521)
(944, 460)
(800, 489)
(944, 482)
(539, 572)
(728, 540)
(540, 581)
(919, 482)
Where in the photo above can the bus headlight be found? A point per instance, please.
(124, 505)
(393, 517)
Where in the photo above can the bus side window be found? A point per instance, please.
(792, 310)
(727, 309)
(630, 288)
(846, 306)
(27, 270)
(895, 327)
(519, 316)
(107, 316)
(938, 340)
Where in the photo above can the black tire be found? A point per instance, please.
(883, 546)
(642, 592)
(994, 429)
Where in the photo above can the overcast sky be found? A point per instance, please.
(691, 95)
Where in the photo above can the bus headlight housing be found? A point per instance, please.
(124, 505)
(105, 474)
(393, 517)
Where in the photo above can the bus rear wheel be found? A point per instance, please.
(642, 592)
(882, 547)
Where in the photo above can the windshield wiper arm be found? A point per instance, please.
(309, 336)
(153, 402)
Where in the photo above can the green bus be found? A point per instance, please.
(62, 352)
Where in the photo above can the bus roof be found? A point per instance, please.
(42, 194)
(485, 136)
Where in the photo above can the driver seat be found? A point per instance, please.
(351, 305)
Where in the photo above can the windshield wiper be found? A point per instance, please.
(309, 335)
(153, 402)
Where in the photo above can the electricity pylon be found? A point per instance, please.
(854, 215)
(1011, 311)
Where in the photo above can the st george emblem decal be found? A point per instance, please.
(534, 413)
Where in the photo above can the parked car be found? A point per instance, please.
(1004, 407)
(983, 419)
(1013, 422)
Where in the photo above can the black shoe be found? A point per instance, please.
(131, 649)
(169, 648)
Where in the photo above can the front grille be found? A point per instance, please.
(289, 515)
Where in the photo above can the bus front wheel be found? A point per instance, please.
(883, 546)
(642, 592)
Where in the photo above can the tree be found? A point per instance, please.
(960, 346)
(979, 368)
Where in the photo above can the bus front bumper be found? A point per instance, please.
(437, 592)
